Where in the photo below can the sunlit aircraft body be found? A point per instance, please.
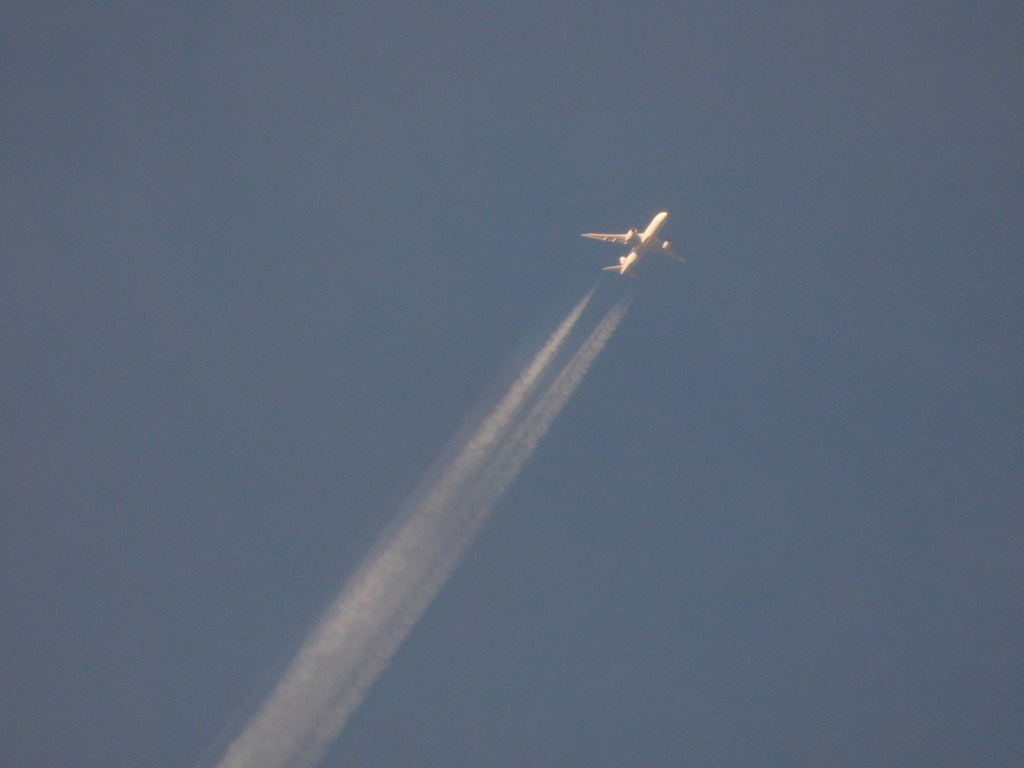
(639, 244)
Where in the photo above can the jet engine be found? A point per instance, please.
(631, 238)
(666, 245)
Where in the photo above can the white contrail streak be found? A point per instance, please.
(477, 503)
(363, 628)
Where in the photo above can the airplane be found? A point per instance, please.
(639, 244)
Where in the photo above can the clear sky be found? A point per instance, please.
(259, 263)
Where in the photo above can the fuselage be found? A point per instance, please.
(645, 239)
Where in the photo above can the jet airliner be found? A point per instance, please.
(639, 244)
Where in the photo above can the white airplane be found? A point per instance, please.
(639, 243)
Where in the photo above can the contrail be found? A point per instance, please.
(477, 503)
(363, 629)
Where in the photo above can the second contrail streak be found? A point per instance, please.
(479, 499)
(364, 627)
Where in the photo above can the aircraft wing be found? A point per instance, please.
(665, 247)
(620, 239)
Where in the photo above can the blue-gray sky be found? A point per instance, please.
(258, 263)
